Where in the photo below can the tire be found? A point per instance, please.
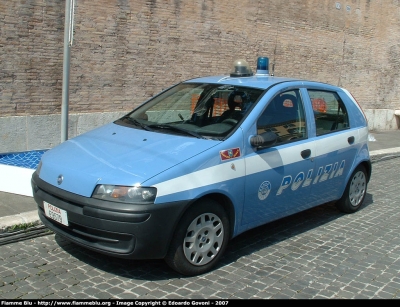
(200, 239)
(355, 191)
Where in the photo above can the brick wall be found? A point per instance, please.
(124, 51)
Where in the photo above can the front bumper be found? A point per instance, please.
(115, 229)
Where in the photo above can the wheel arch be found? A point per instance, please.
(368, 167)
(220, 198)
(228, 206)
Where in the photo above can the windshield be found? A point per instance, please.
(195, 109)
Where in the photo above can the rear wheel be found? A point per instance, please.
(200, 239)
(355, 191)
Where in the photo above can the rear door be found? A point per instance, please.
(334, 144)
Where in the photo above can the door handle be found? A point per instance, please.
(306, 153)
(350, 140)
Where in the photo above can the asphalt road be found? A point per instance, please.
(317, 254)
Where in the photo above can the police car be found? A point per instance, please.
(201, 163)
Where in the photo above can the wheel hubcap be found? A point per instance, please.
(357, 188)
(203, 239)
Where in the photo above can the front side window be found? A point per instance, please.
(195, 109)
(284, 116)
(329, 112)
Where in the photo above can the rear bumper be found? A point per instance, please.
(115, 229)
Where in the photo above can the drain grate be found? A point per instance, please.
(25, 234)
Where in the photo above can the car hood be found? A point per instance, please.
(115, 154)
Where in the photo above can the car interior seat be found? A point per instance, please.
(236, 101)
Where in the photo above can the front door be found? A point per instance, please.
(279, 178)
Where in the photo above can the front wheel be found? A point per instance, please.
(355, 191)
(200, 239)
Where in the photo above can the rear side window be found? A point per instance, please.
(330, 114)
(284, 116)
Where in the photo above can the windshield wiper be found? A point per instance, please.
(137, 123)
(175, 128)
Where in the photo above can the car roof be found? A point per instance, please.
(258, 81)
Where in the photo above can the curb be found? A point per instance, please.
(30, 218)
(384, 154)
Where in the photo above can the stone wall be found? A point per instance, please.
(125, 51)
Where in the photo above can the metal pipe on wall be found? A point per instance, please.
(68, 38)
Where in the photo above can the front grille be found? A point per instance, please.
(101, 240)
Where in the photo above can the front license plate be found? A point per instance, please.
(55, 213)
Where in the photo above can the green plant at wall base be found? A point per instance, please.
(20, 227)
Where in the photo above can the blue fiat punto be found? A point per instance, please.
(202, 162)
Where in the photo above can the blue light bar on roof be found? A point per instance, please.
(262, 66)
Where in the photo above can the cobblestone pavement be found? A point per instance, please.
(320, 253)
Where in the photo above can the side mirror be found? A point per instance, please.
(263, 140)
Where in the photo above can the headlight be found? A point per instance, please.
(125, 194)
